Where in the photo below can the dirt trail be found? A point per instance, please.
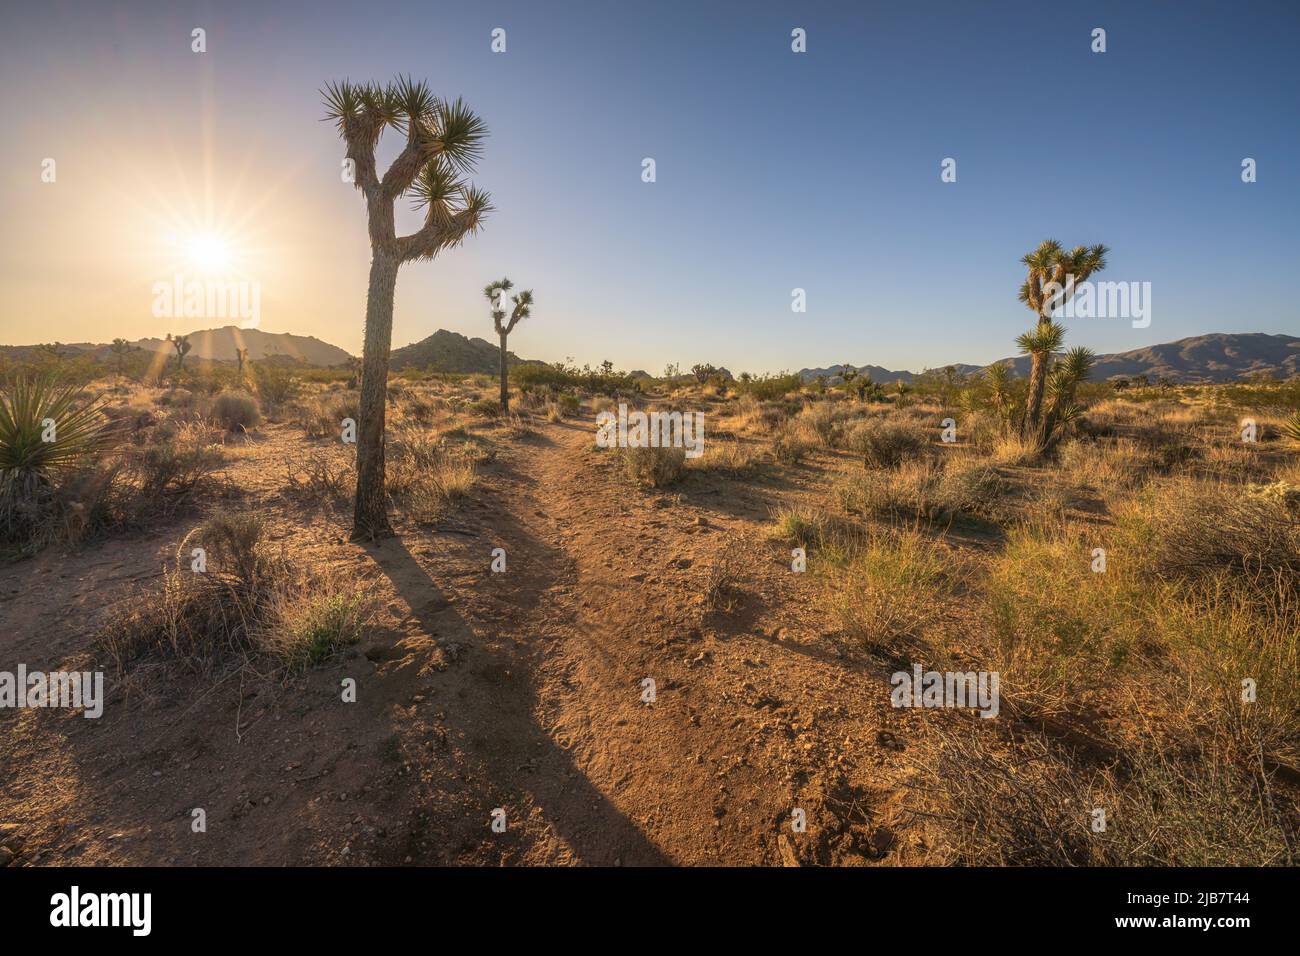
(476, 691)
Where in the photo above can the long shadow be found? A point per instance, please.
(593, 827)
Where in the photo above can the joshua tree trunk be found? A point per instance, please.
(505, 390)
(1034, 399)
(370, 514)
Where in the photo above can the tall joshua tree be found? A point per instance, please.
(443, 141)
(1053, 273)
(496, 294)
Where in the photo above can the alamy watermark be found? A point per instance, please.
(1100, 300)
(974, 689)
(75, 689)
(183, 298)
(651, 430)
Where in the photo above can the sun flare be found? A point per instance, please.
(208, 253)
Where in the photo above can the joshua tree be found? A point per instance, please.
(496, 294)
(443, 141)
(703, 372)
(242, 355)
(119, 348)
(1053, 273)
(181, 343)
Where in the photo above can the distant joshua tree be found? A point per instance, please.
(1043, 291)
(703, 372)
(120, 348)
(242, 355)
(523, 302)
(181, 343)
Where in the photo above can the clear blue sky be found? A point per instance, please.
(775, 170)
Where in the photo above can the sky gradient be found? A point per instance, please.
(775, 170)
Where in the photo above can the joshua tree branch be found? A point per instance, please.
(439, 232)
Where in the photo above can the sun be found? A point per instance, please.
(208, 253)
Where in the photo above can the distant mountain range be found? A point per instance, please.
(1219, 357)
(219, 345)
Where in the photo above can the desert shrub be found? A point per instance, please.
(310, 630)
(485, 408)
(887, 593)
(769, 387)
(321, 480)
(925, 489)
(967, 488)
(1186, 527)
(516, 425)
(884, 444)
(790, 445)
(420, 408)
(823, 418)
(733, 458)
(323, 417)
(798, 526)
(1031, 806)
(1012, 450)
(236, 411)
(248, 603)
(425, 477)
(1214, 632)
(276, 385)
(653, 467)
(167, 474)
(1058, 626)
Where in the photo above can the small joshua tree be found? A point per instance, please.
(443, 141)
(241, 354)
(703, 372)
(120, 348)
(523, 307)
(181, 343)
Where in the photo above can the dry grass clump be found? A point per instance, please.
(925, 488)
(321, 481)
(887, 592)
(323, 417)
(425, 476)
(884, 443)
(1059, 630)
(731, 457)
(248, 602)
(1011, 450)
(792, 441)
(653, 467)
(1034, 806)
(1186, 527)
(235, 411)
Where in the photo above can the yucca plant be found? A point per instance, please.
(443, 141)
(1292, 427)
(1062, 387)
(44, 430)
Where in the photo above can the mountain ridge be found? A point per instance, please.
(1212, 358)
